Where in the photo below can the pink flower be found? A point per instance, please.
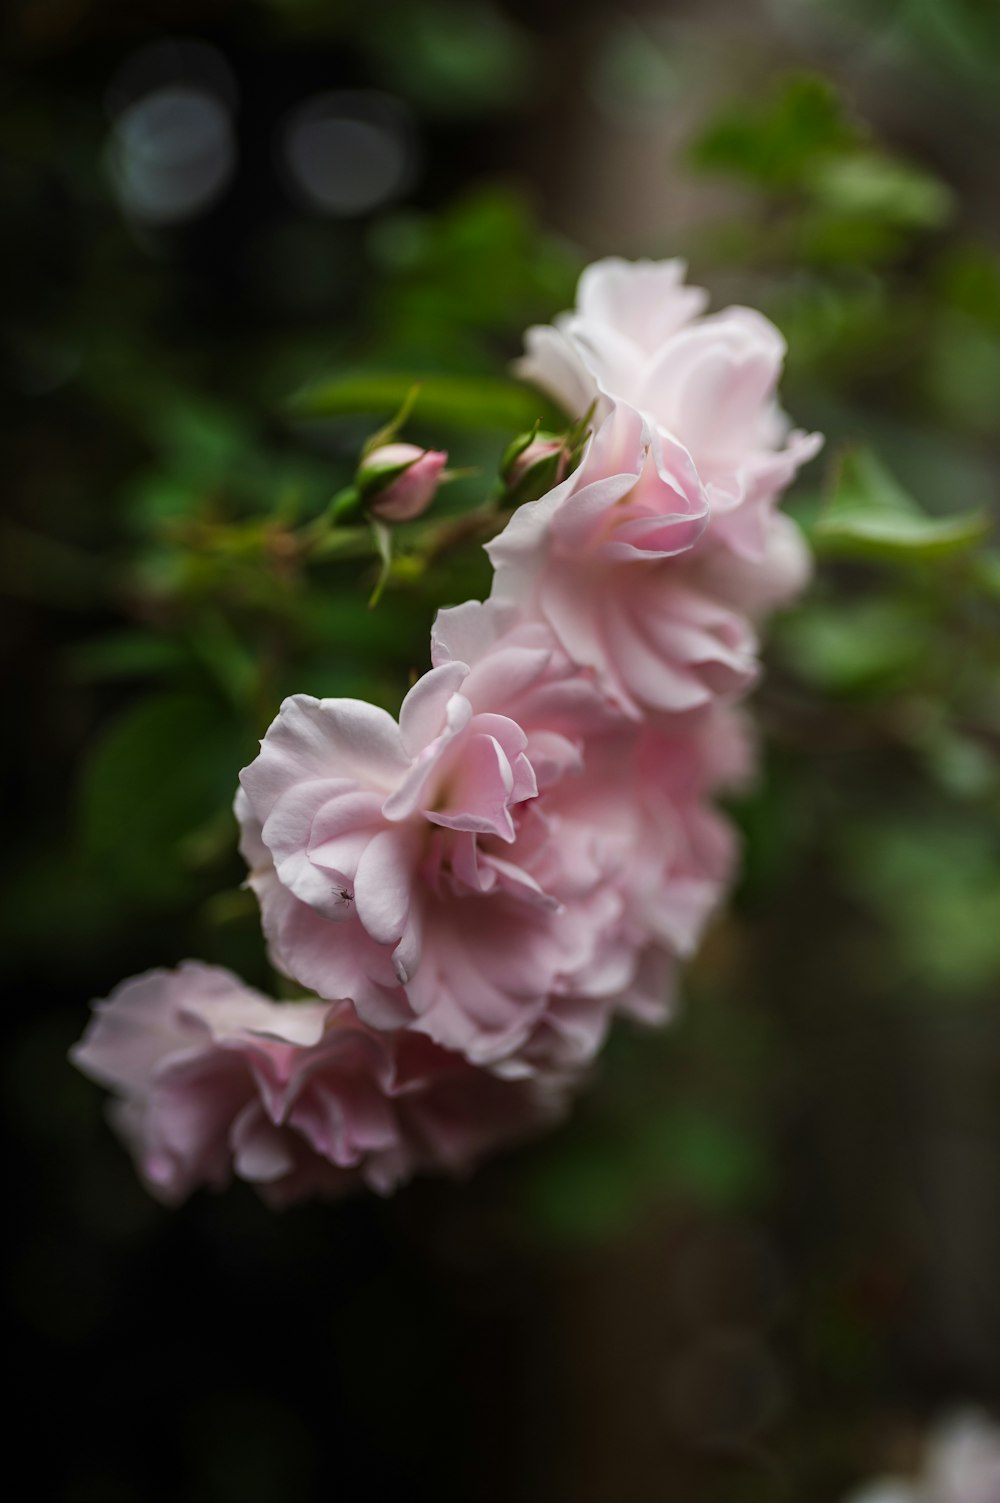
(386, 862)
(635, 826)
(517, 667)
(606, 560)
(638, 336)
(961, 1464)
(381, 877)
(622, 812)
(213, 1079)
(963, 1460)
(400, 480)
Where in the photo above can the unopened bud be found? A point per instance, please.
(543, 447)
(533, 464)
(399, 481)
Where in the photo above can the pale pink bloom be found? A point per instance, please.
(961, 1464)
(636, 826)
(625, 311)
(637, 336)
(401, 480)
(213, 1079)
(963, 1460)
(387, 860)
(518, 668)
(755, 587)
(609, 560)
(487, 937)
(623, 812)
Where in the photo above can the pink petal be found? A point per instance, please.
(423, 715)
(314, 739)
(383, 884)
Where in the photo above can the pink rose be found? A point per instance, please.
(625, 311)
(213, 1079)
(517, 667)
(387, 860)
(606, 560)
(484, 933)
(400, 481)
(638, 336)
(623, 812)
(642, 787)
(631, 830)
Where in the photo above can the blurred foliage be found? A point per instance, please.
(892, 661)
(869, 515)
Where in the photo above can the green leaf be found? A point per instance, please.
(876, 187)
(697, 1151)
(933, 882)
(201, 440)
(126, 654)
(228, 659)
(459, 401)
(582, 1192)
(455, 58)
(595, 1182)
(780, 140)
(968, 280)
(857, 649)
(387, 433)
(869, 515)
(383, 543)
(162, 770)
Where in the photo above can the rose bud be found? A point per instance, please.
(533, 464)
(399, 481)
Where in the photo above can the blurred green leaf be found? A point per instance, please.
(697, 1151)
(455, 56)
(866, 648)
(227, 658)
(459, 401)
(200, 440)
(583, 1193)
(480, 272)
(126, 654)
(869, 515)
(595, 1183)
(634, 72)
(986, 572)
(962, 370)
(876, 187)
(383, 543)
(962, 767)
(160, 772)
(959, 35)
(780, 140)
(967, 278)
(934, 883)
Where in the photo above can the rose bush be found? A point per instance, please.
(475, 891)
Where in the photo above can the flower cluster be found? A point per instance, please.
(477, 889)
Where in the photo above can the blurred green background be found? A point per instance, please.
(764, 1251)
